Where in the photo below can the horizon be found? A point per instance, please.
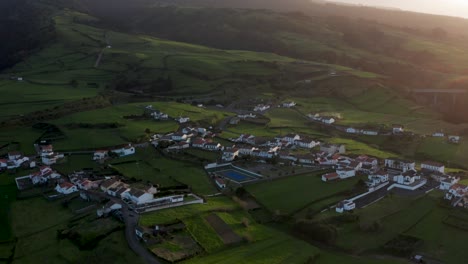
(456, 8)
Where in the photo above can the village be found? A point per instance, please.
(239, 162)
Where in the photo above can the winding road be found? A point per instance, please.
(131, 221)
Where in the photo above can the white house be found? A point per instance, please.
(220, 183)
(261, 108)
(138, 196)
(51, 159)
(199, 143)
(289, 104)
(438, 134)
(306, 143)
(433, 166)
(447, 182)
(158, 115)
(125, 150)
(213, 146)
(331, 149)
(179, 136)
(351, 130)
(377, 178)
(346, 173)
(230, 154)
(246, 138)
(454, 139)
(183, 120)
(291, 138)
(345, 205)
(14, 155)
(407, 178)
(100, 154)
(66, 188)
(397, 129)
(306, 159)
(400, 165)
(369, 132)
(245, 116)
(46, 150)
(3, 163)
(456, 191)
(328, 120)
(245, 150)
(330, 177)
(285, 155)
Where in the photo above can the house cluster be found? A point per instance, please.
(250, 145)
(451, 138)
(261, 107)
(346, 167)
(155, 114)
(457, 195)
(324, 119)
(196, 137)
(137, 196)
(364, 131)
(121, 151)
(288, 104)
(16, 160)
(42, 176)
(48, 156)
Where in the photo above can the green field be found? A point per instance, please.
(290, 194)
(37, 240)
(148, 165)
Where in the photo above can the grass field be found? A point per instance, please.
(293, 193)
(148, 165)
(37, 240)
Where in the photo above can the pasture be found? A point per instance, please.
(287, 195)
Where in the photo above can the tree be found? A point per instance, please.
(74, 83)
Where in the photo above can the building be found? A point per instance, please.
(246, 138)
(138, 196)
(351, 130)
(230, 154)
(438, 134)
(407, 178)
(108, 184)
(261, 108)
(331, 149)
(199, 143)
(397, 129)
(125, 150)
(183, 120)
(246, 116)
(306, 143)
(328, 120)
(289, 104)
(220, 183)
(179, 136)
(377, 178)
(66, 188)
(345, 205)
(454, 139)
(400, 165)
(213, 146)
(456, 192)
(330, 177)
(345, 173)
(291, 138)
(100, 154)
(433, 166)
(447, 182)
(369, 132)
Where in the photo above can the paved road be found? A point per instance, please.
(131, 221)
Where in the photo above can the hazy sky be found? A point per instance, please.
(444, 7)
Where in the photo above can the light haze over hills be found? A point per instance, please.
(449, 7)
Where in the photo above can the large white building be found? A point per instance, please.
(433, 166)
(400, 165)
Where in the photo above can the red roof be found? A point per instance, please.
(66, 185)
(331, 176)
(220, 181)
